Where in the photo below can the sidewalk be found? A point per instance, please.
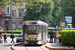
(55, 46)
(50, 46)
(17, 47)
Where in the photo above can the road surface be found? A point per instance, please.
(6, 46)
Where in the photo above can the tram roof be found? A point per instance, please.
(38, 21)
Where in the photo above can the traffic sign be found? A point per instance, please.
(68, 19)
(62, 23)
(69, 24)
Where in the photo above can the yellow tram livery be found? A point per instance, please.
(35, 32)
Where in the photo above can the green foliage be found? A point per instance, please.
(12, 31)
(0, 0)
(45, 12)
(52, 14)
(27, 2)
(69, 6)
(68, 37)
(57, 13)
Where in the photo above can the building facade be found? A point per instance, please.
(12, 18)
(17, 17)
(8, 17)
(5, 17)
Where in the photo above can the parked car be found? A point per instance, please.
(19, 38)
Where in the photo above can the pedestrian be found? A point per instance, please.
(12, 37)
(51, 37)
(57, 37)
(54, 35)
(5, 37)
(0, 38)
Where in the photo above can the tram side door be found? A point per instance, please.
(43, 34)
(41, 27)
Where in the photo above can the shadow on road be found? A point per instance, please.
(7, 45)
(28, 45)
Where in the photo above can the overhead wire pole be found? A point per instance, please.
(62, 10)
(68, 7)
(62, 13)
(68, 12)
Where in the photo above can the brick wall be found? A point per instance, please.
(3, 22)
(9, 23)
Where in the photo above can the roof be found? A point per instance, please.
(37, 21)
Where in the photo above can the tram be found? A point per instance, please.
(35, 32)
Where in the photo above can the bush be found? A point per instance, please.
(12, 31)
(68, 37)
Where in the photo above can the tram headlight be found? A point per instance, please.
(34, 38)
(29, 38)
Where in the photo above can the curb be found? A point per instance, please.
(12, 47)
(56, 48)
(19, 47)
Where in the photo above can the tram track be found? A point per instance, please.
(26, 48)
(41, 48)
(30, 47)
(37, 47)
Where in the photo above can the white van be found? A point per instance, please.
(19, 38)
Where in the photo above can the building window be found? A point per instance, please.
(6, 23)
(13, 26)
(20, 13)
(14, 13)
(7, 10)
(20, 26)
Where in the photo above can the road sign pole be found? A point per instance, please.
(69, 27)
(62, 27)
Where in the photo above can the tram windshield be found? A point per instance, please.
(33, 29)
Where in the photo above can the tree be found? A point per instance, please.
(45, 12)
(29, 3)
(19, 2)
(57, 12)
(69, 9)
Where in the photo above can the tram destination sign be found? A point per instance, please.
(32, 23)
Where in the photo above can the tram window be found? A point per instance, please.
(44, 29)
(40, 29)
(33, 29)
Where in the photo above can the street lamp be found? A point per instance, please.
(38, 10)
(38, 13)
